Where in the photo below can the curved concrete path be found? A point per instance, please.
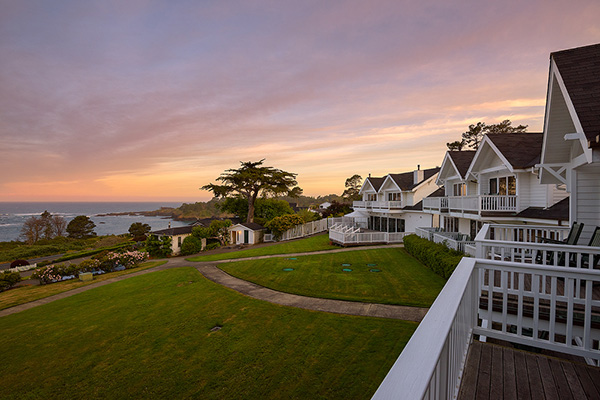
(210, 271)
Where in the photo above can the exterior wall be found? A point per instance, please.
(587, 200)
(175, 242)
(424, 190)
(254, 237)
(417, 220)
(557, 193)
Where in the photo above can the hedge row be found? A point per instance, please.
(436, 256)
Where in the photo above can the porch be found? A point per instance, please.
(453, 240)
(376, 205)
(346, 235)
(500, 372)
(469, 205)
(543, 306)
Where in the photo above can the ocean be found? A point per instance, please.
(13, 215)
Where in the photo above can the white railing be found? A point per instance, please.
(435, 203)
(463, 203)
(499, 203)
(322, 225)
(530, 305)
(426, 232)
(471, 204)
(310, 228)
(431, 364)
(346, 236)
(453, 240)
(521, 243)
(541, 306)
(376, 205)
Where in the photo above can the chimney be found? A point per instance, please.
(418, 175)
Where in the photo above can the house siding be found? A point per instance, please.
(588, 199)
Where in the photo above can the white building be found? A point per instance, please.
(393, 203)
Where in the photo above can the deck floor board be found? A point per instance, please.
(498, 372)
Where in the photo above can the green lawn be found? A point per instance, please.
(150, 337)
(403, 280)
(25, 294)
(313, 243)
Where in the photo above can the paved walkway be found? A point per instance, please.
(213, 273)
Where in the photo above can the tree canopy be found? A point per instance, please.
(45, 226)
(81, 227)
(473, 137)
(353, 185)
(252, 180)
(139, 231)
(264, 209)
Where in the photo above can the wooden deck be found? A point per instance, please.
(497, 372)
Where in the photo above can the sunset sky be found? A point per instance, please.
(149, 100)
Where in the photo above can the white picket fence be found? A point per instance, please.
(22, 268)
(310, 228)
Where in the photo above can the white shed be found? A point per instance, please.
(247, 233)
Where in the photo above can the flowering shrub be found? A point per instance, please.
(109, 261)
(130, 259)
(89, 265)
(47, 274)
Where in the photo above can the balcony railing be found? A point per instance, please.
(536, 305)
(426, 232)
(472, 204)
(345, 236)
(377, 205)
(453, 240)
(521, 243)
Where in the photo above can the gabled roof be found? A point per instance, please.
(250, 225)
(580, 72)
(375, 182)
(462, 160)
(179, 230)
(521, 150)
(405, 181)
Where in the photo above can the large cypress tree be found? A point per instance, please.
(253, 179)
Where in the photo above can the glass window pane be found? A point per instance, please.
(502, 186)
(512, 186)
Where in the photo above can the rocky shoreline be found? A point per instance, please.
(165, 212)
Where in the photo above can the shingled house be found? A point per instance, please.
(520, 288)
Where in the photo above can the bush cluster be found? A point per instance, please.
(8, 280)
(436, 256)
(106, 261)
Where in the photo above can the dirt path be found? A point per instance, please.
(210, 271)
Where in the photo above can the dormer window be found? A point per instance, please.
(502, 186)
(460, 189)
(394, 196)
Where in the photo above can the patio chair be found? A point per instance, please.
(572, 239)
(594, 242)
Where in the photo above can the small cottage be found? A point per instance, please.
(247, 233)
